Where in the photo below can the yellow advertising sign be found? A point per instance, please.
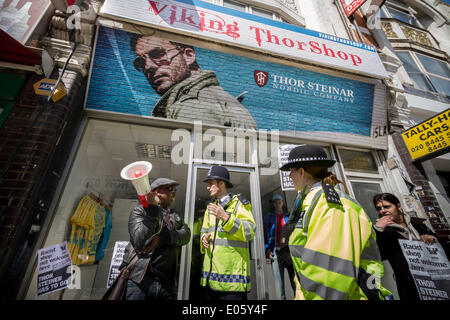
(44, 86)
(429, 139)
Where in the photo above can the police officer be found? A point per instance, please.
(228, 226)
(332, 246)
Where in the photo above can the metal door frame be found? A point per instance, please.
(256, 245)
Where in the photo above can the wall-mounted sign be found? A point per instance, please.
(429, 139)
(351, 6)
(271, 96)
(242, 29)
(44, 87)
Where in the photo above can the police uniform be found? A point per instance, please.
(333, 246)
(226, 264)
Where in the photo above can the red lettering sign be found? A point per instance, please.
(351, 6)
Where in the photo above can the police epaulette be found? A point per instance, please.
(330, 194)
(243, 200)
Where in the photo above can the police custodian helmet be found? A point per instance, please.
(219, 173)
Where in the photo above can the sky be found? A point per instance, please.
(446, 1)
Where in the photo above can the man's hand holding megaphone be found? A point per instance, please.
(152, 198)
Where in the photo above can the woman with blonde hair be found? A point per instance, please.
(333, 180)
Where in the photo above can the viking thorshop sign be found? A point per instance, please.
(429, 267)
(242, 29)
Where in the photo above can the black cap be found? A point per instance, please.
(307, 156)
(160, 182)
(219, 173)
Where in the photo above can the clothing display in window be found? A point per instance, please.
(88, 225)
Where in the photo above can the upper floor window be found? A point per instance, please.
(427, 73)
(252, 10)
(400, 11)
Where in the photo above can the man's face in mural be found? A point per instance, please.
(163, 63)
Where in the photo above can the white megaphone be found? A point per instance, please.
(137, 172)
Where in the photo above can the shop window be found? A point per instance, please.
(426, 73)
(107, 147)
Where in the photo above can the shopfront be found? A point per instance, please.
(137, 110)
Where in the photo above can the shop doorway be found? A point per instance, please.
(245, 182)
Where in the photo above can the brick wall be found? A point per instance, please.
(25, 177)
(427, 199)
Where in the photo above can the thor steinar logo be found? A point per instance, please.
(261, 77)
(74, 20)
(310, 88)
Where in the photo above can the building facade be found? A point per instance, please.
(189, 84)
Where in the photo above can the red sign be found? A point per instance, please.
(351, 6)
(261, 77)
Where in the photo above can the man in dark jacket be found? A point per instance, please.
(156, 234)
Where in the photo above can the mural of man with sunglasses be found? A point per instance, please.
(187, 92)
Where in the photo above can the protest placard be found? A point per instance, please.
(54, 269)
(116, 260)
(283, 155)
(429, 267)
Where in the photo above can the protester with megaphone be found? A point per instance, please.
(156, 234)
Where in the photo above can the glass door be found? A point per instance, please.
(245, 182)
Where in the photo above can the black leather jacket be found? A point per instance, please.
(162, 262)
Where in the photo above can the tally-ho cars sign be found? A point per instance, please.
(207, 20)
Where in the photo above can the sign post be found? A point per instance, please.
(430, 138)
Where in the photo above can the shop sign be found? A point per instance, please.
(44, 87)
(242, 29)
(429, 267)
(263, 95)
(283, 155)
(351, 6)
(429, 139)
(116, 261)
(54, 269)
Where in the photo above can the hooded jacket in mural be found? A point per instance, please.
(200, 97)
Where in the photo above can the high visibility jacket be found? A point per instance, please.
(226, 264)
(333, 248)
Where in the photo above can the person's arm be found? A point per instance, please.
(142, 225)
(181, 233)
(241, 225)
